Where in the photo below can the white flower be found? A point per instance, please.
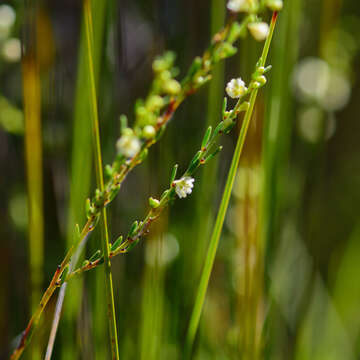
(236, 88)
(128, 145)
(184, 186)
(239, 5)
(259, 30)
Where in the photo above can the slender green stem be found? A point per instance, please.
(100, 179)
(215, 237)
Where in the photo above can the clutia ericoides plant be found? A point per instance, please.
(152, 115)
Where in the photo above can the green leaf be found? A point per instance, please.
(206, 137)
(116, 243)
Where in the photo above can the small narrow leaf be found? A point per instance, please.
(88, 208)
(218, 128)
(116, 243)
(133, 228)
(133, 244)
(95, 256)
(173, 173)
(224, 107)
(164, 195)
(64, 274)
(77, 231)
(206, 137)
(213, 154)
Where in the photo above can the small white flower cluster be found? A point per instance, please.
(236, 88)
(239, 5)
(128, 144)
(184, 186)
(259, 30)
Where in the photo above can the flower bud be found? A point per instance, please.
(154, 203)
(274, 5)
(148, 132)
(154, 102)
(172, 87)
(259, 30)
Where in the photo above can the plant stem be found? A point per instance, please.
(215, 237)
(100, 179)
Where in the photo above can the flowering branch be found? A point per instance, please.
(183, 186)
(152, 117)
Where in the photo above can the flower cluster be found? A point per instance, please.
(128, 144)
(184, 186)
(236, 88)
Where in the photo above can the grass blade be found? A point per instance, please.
(110, 308)
(34, 174)
(215, 237)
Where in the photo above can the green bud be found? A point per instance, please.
(165, 75)
(235, 32)
(228, 124)
(108, 170)
(154, 103)
(259, 71)
(154, 203)
(169, 58)
(98, 196)
(261, 79)
(88, 208)
(172, 87)
(127, 132)
(148, 132)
